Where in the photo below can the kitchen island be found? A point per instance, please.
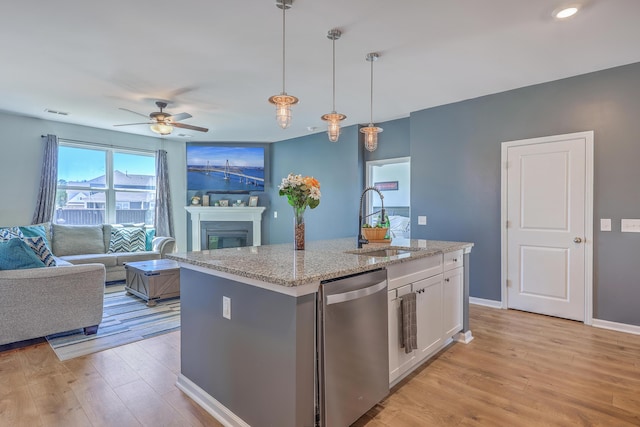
(248, 349)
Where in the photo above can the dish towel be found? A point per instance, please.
(409, 324)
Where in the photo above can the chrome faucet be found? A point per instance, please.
(361, 239)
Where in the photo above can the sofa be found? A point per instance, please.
(37, 302)
(88, 244)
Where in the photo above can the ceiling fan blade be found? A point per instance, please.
(181, 116)
(183, 126)
(134, 112)
(131, 124)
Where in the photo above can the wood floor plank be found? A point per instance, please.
(521, 369)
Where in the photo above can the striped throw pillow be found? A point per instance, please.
(39, 246)
(127, 239)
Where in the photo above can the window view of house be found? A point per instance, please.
(97, 185)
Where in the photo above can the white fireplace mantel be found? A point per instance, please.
(224, 213)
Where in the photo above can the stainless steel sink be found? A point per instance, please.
(385, 252)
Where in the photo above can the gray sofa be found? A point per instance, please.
(88, 244)
(43, 301)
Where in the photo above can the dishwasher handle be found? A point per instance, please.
(358, 293)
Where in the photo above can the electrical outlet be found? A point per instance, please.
(275, 214)
(605, 224)
(422, 220)
(226, 307)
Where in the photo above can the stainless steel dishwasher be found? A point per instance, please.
(353, 347)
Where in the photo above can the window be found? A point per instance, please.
(103, 185)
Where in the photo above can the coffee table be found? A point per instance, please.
(153, 280)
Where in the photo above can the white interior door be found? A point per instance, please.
(548, 225)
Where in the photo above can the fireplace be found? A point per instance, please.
(231, 234)
(203, 216)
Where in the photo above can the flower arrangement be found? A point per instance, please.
(300, 191)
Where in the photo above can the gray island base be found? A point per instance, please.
(248, 320)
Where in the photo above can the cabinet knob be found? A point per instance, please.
(446, 280)
(455, 260)
(577, 240)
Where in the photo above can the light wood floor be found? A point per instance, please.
(521, 369)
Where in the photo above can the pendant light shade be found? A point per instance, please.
(333, 118)
(283, 101)
(371, 132)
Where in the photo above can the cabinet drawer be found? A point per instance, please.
(399, 292)
(453, 260)
(409, 272)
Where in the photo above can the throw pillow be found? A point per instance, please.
(127, 239)
(36, 230)
(150, 234)
(8, 233)
(15, 254)
(40, 248)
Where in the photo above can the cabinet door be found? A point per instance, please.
(429, 315)
(452, 302)
(399, 361)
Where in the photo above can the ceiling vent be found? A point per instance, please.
(61, 113)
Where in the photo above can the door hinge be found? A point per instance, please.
(508, 283)
(507, 224)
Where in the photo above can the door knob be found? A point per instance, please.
(577, 240)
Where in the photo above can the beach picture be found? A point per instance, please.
(223, 169)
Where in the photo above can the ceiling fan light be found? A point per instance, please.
(371, 136)
(333, 128)
(161, 128)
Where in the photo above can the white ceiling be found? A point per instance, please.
(221, 61)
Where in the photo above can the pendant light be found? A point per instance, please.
(371, 132)
(334, 118)
(283, 102)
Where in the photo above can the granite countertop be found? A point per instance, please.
(321, 260)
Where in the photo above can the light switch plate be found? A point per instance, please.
(605, 224)
(630, 225)
(422, 220)
(226, 307)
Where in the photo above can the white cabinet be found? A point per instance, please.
(438, 282)
(452, 301)
(399, 360)
(429, 315)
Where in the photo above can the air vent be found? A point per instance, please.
(61, 113)
(184, 135)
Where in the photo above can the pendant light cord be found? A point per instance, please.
(333, 39)
(371, 103)
(284, 8)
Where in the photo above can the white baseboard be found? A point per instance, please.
(464, 337)
(485, 302)
(615, 326)
(209, 404)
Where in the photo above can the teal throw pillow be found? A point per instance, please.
(8, 233)
(37, 230)
(15, 254)
(40, 248)
(127, 239)
(150, 234)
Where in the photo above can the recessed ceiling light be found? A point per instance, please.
(312, 128)
(566, 11)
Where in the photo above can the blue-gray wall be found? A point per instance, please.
(338, 166)
(455, 174)
(457, 185)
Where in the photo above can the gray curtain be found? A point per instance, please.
(46, 203)
(164, 219)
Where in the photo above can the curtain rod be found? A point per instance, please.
(97, 144)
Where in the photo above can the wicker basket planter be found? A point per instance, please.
(374, 233)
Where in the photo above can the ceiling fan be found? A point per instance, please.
(162, 122)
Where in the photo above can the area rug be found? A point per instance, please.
(126, 319)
